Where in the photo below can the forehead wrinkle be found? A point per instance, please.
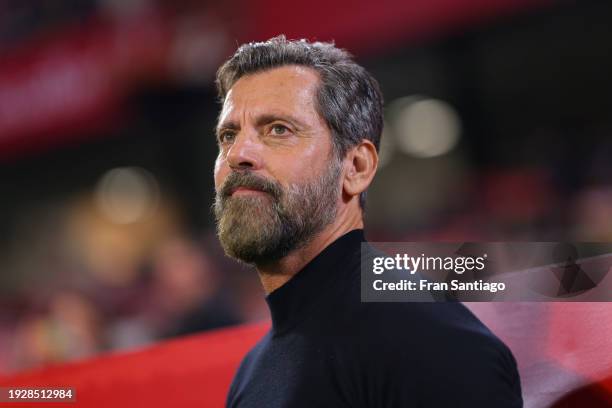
(250, 99)
(260, 116)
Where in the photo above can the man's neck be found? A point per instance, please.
(275, 274)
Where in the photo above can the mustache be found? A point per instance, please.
(250, 180)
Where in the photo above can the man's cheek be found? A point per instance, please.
(219, 173)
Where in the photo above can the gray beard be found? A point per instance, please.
(265, 228)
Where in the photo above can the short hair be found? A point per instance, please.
(348, 98)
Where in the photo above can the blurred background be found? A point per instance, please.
(498, 127)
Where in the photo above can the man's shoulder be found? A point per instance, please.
(418, 321)
(423, 321)
(440, 346)
(244, 371)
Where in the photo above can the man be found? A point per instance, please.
(298, 136)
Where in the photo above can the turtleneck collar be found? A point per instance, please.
(292, 301)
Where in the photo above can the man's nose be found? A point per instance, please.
(245, 152)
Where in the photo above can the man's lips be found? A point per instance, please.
(245, 191)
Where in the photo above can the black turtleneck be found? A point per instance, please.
(328, 349)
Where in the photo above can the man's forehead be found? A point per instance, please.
(287, 88)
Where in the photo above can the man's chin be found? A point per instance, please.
(244, 236)
(251, 252)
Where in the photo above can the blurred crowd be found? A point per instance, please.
(83, 284)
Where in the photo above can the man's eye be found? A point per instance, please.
(227, 137)
(279, 130)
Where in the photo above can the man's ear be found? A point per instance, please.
(361, 162)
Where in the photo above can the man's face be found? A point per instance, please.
(276, 176)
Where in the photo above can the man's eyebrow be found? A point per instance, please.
(262, 120)
(229, 125)
(266, 118)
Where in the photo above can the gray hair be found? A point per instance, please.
(348, 99)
